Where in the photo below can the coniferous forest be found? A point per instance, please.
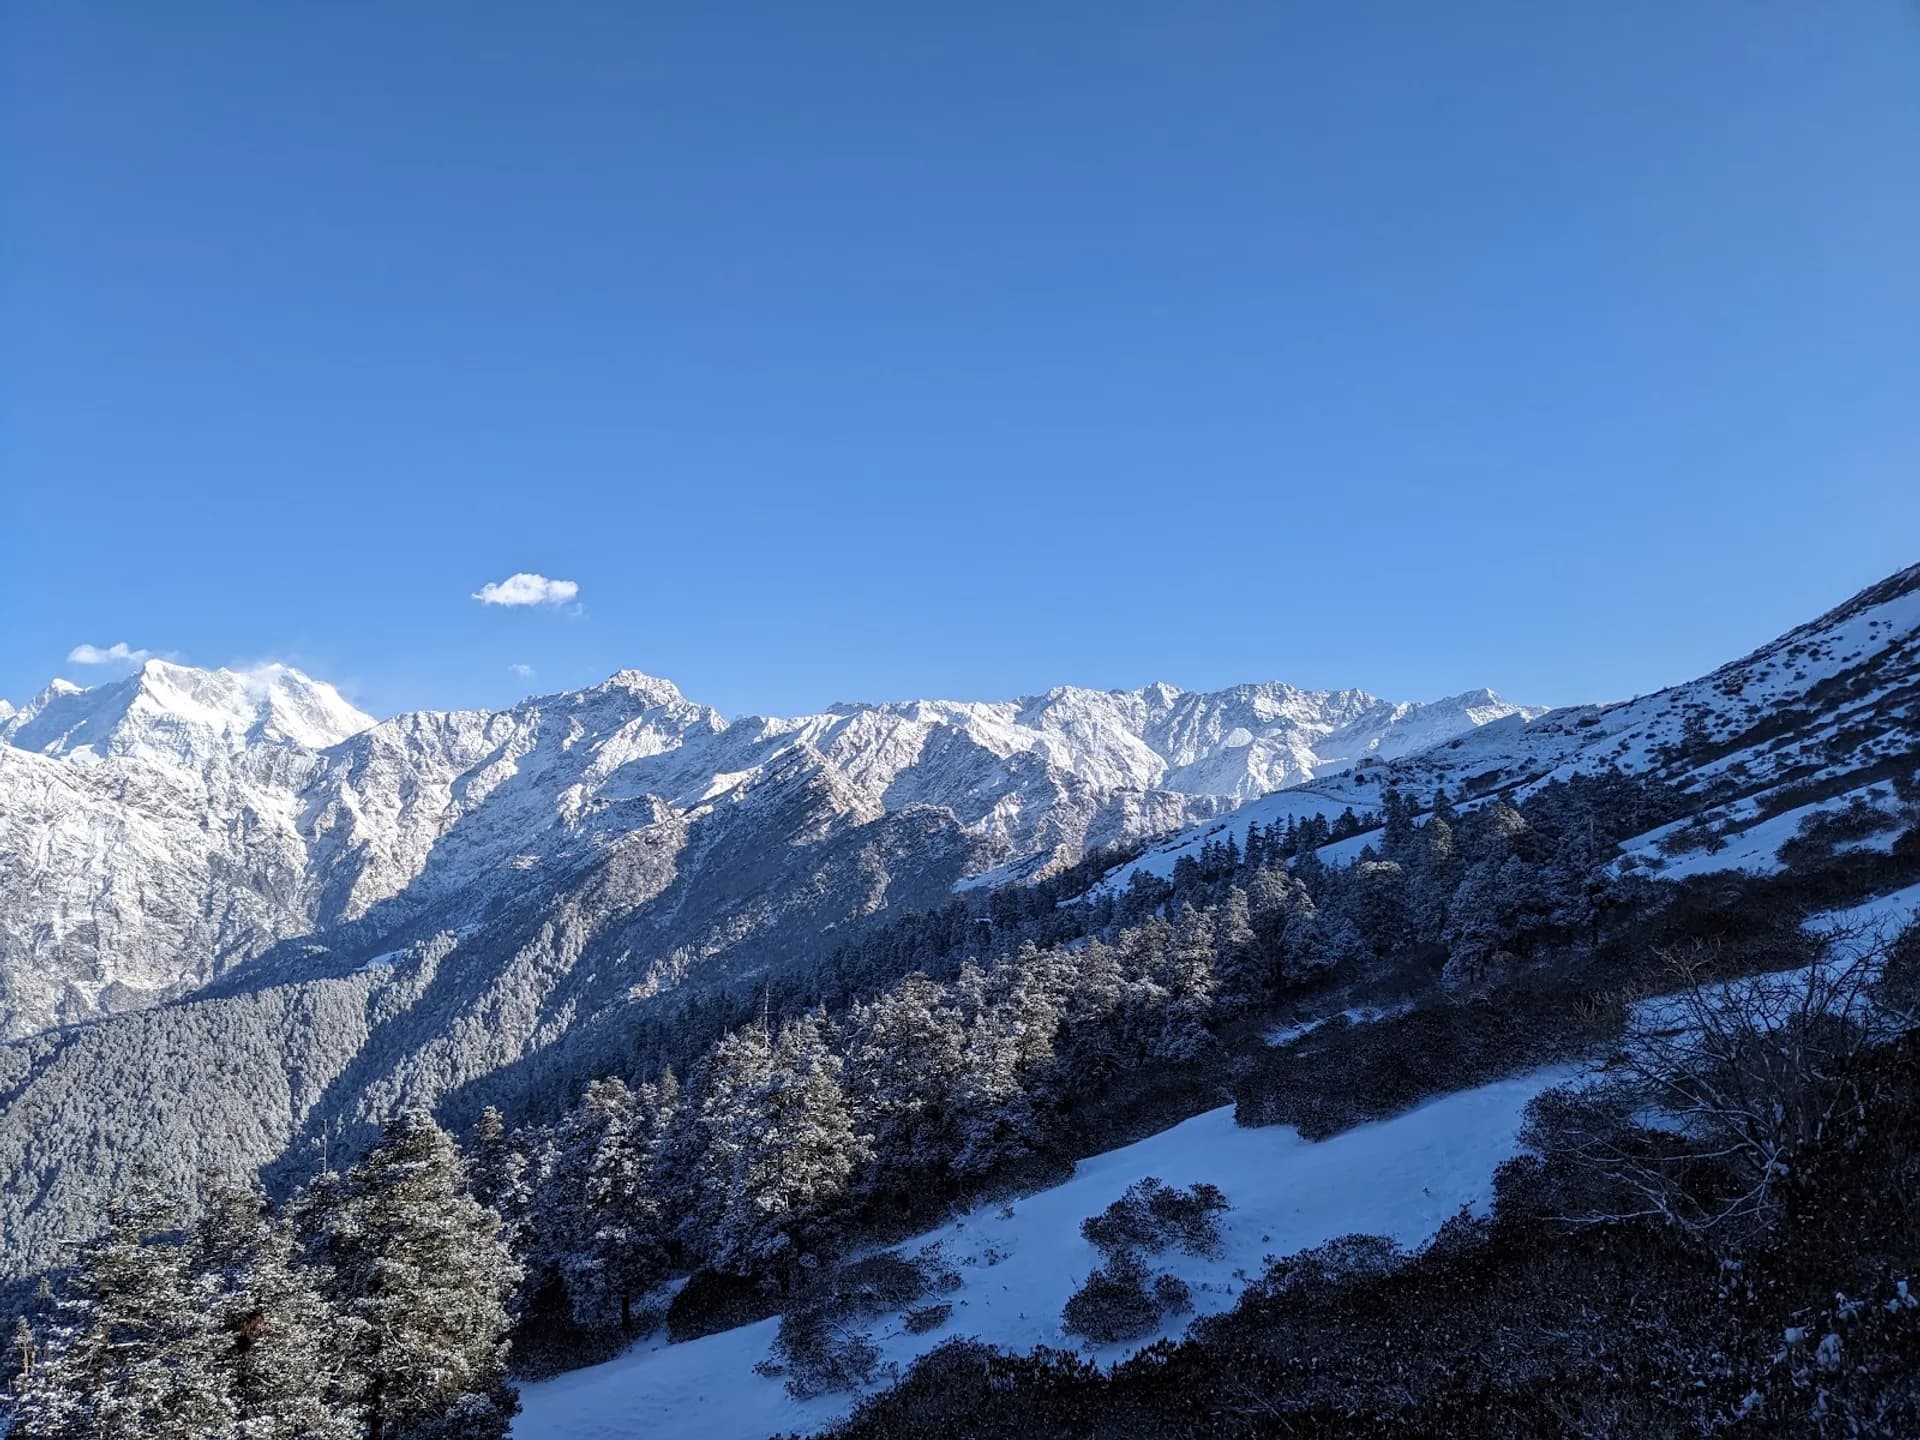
(981, 1048)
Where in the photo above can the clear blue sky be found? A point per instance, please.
(859, 351)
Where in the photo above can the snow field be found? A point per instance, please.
(1402, 1178)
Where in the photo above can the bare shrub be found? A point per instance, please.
(1114, 1303)
(1124, 1300)
(1717, 1093)
(923, 1318)
(819, 1347)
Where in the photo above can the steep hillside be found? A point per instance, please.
(1826, 713)
(447, 909)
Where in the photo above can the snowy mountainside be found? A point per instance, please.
(1809, 720)
(1838, 696)
(161, 830)
(448, 909)
(174, 712)
(1402, 1178)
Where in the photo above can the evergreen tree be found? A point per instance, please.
(23, 1348)
(1184, 973)
(734, 1070)
(132, 1352)
(620, 1251)
(1239, 963)
(498, 1168)
(421, 1276)
(997, 1120)
(904, 1061)
(275, 1334)
(793, 1154)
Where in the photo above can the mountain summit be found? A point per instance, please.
(175, 712)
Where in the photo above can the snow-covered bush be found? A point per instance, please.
(1153, 1215)
(1123, 1300)
(820, 1348)
(922, 1318)
(819, 1354)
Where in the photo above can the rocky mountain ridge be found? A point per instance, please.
(159, 831)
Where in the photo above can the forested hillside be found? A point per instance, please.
(343, 1191)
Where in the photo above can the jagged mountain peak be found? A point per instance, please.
(265, 807)
(171, 711)
(650, 690)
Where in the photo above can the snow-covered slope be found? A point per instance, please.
(172, 712)
(1826, 710)
(158, 831)
(1835, 697)
(1402, 1178)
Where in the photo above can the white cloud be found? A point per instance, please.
(119, 653)
(525, 672)
(527, 589)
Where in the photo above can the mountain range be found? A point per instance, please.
(242, 923)
(157, 832)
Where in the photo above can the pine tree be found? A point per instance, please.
(23, 1347)
(1185, 976)
(997, 1121)
(619, 1254)
(132, 1352)
(904, 1061)
(734, 1069)
(1396, 838)
(498, 1168)
(420, 1274)
(793, 1153)
(274, 1333)
(1238, 959)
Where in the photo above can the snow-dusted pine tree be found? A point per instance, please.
(904, 1060)
(132, 1352)
(420, 1273)
(793, 1153)
(280, 1340)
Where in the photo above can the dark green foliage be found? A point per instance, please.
(1520, 1326)
(1342, 1074)
(923, 1318)
(819, 1347)
(418, 1271)
(710, 1302)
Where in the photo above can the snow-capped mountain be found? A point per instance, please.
(163, 828)
(455, 908)
(170, 712)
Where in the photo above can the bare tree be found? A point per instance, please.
(1719, 1090)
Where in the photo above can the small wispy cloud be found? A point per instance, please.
(525, 672)
(119, 653)
(526, 588)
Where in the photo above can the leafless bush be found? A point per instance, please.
(1719, 1090)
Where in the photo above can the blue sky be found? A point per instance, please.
(859, 351)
